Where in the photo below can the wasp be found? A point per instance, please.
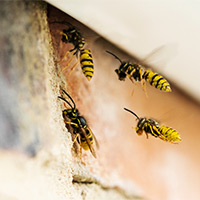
(150, 126)
(72, 35)
(83, 134)
(137, 73)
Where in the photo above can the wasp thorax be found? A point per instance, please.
(141, 122)
(154, 122)
(138, 71)
(71, 113)
(83, 122)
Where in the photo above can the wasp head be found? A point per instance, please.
(65, 36)
(141, 123)
(71, 113)
(121, 74)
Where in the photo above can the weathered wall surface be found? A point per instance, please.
(37, 157)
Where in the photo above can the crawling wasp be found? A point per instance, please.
(137, 73)
(150, 126)
(72, 35)
(81, 130)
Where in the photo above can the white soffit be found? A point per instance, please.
(141, 26)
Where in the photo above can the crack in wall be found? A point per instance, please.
(92, 181)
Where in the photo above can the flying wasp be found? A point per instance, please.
(82, 132)
(150, 126)
(72, 35)
(137, 73)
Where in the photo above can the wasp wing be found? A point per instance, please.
(154, 128)
(95, 139)
(90, 145)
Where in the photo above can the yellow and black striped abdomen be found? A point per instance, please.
(87, 63)
(156, 81)
(84, 141)
(169, 134)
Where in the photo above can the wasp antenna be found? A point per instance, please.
(114, 56)
(70, 98)
(131, 112)
(65, 101)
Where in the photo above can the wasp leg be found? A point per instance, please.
(66, 54)
(79, 138)
(68, 63)
(152, 131)
(131, 74)
(64, 68)
(72, 123)
(74, 140)
(77, 135)
(73, 68)
(131, 78)
(143, 85)
(61, 33)
(134, 127)
(82, 162)
(132, 93)
(147, 135)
